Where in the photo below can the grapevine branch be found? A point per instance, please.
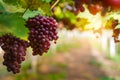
(54, 4)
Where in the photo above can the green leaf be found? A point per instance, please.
(58, 13)
(108, 25)
(62, 1)
(45, 7)
(29, 14)
(47, 1)
(70, 15)
(13, 23)
(23, 3)
(4, 29)
(13, 2)
(2, 9)
(34, 4)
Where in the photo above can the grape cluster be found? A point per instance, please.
(14, 49)
(114, 23)
(116, 32)
(95, 6)
(42, 31)
(79, 6)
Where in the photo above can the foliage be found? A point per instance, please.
(13, 20)
(37, 76)
(95, 63)
(107, 78)
(13, 23)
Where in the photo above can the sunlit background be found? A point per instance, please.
(87, 52)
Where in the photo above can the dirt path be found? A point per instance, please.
(81, 65)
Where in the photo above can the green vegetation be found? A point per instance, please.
(64, 47)
(95, 63)
(106, 78)
(37, 76)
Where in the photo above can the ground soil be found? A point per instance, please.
(79, 65)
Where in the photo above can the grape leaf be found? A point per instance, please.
(70, 15)
(108, 25)
(13, 23)
(13, 2)
(34, 4)
(62, 1)
(4, 29)
(30, 13)
(24, 3)
(45, 7)
(47, 1)
(58, 13)
(2, 9)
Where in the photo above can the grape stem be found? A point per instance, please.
(54, 4)
(25, 11)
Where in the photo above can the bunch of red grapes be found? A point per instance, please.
(79, 5)
(15, 51)
(95, 6)
(42, 31)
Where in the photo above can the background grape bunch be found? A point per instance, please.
(116, 32)
(95, 6)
